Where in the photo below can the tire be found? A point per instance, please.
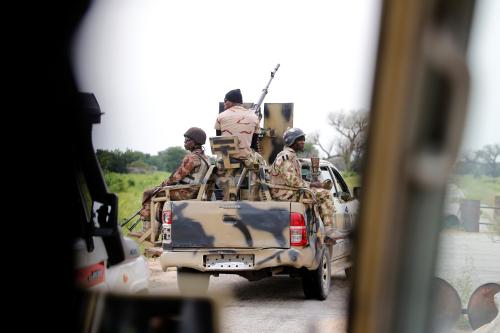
(316, 283)
(192, 282)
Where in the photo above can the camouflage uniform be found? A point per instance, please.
(286, 170)
(193, 167)
(242, 123)
(227, 178)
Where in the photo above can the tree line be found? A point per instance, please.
(136, 161)
(480, 162)
(346, 151)
(131, 161)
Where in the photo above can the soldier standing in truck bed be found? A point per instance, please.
(286, 170)
(192, 169)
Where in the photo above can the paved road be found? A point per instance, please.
(270, 305)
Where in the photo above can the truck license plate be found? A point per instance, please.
(229, 261)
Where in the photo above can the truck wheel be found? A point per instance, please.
(316, 284)
(192, 282)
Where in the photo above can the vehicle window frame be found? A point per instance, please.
(305, 176)
(332, 176)
(343, 185)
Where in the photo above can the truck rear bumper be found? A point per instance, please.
(263, 258)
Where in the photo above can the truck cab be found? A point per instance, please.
(346, 202)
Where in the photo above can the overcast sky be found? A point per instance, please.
(160, 67)
(483, 120)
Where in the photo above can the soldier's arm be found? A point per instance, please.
(217, 127)
(254, 144)
(255, 136)
(291, 177)
(188, 164)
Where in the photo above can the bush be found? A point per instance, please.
(117, 185)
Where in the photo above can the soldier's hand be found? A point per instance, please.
(328, 184)
(316, 184)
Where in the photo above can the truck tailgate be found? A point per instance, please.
(233, 224)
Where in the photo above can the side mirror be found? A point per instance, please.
(357, 192)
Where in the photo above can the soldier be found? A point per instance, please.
(286, 170)
(238, 121)
(192, 169)
(235, 120)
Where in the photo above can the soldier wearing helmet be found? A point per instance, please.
(286, 170)
(192, 169)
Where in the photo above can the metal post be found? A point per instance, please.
(469, 214)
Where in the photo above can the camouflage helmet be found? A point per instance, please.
(291, 135)
(197, 135)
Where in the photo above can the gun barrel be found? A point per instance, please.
(275, 70)
(130, 218)
(155, 191)
(256, 106)
(134, 225)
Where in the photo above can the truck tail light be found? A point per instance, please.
(298, 233)
(167, 217)
(167, 227)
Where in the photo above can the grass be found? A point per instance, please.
(484, 189)
(479, 188)
(352, 179)
(129, 188)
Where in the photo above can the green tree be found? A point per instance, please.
(479, 162)
(118, 161)
(171, 158)
(140, 166)
(490, 155)
(153, 160)
(468, 163)
(130, 156)
(112, 160)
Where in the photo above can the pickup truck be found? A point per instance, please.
(255, 239)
